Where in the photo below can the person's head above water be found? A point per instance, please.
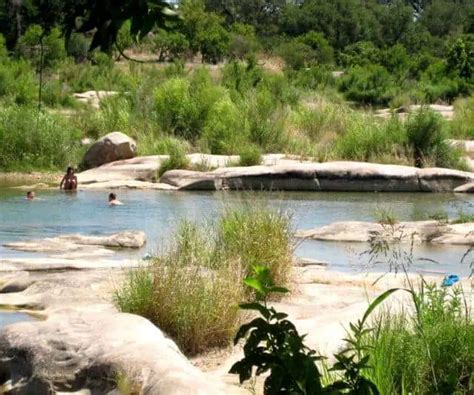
(30, 195)
(113, 201)
(70, 170)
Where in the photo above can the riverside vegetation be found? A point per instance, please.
(271, 88)
(424, 346)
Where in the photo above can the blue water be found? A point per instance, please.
(158, 212)
(7, 318)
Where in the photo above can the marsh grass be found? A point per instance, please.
(177, 160)
(193, 289)
(385, 216)
(424, 350)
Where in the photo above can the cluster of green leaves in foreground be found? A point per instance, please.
(274, 345)
(192, 291)
(425, 350)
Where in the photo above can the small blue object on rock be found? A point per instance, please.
(450, 280)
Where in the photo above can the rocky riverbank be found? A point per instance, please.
(276, 173)
(437, 232)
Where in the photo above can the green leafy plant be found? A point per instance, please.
(274, 345)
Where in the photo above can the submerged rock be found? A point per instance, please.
(417, 231)
(112, 147)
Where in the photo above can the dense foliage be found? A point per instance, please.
(298, 77)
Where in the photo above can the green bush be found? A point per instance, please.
(250, 155)
(371, 84)
(177, 159)
(35, 140)
(170, 45)
(225, 131)
(78, 47)
(462, 125)
(182, 105)
(28, 46)
(257, 235)
(17, 82)
(266, 119)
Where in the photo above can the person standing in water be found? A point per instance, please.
(113, 201)
(69, 181)
(30, 195)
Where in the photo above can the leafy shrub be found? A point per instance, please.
(243, 41)
(28, 46)
(34, 140)
(296, 54)
(250, 155)
(371, 84)
(78, 47)
(183, 105)
(225, 131)
(368, 140)
(170, 45)
(462, 125)
(266, 119)
(17, 83)
(177, 159)
(274, 345)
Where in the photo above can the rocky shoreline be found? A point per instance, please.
(276, 173)
(436, 232)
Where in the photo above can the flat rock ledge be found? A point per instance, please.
(76, 350)
(329, 176)
(418, 231)
(74, 242)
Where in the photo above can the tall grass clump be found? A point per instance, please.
(426, 137)
(462, 125)
(368, 139)
(193, 289)
(258, 235)
(250, 155)
(177, 159)
(426, 350)
(30, 139)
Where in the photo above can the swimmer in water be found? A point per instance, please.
(30, 195)
(69, 181)
(113, 201)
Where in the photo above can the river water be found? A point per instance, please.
(158, 212)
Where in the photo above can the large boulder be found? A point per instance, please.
(112, 147)
(85, 350)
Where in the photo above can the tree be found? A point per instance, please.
(264, 15)
(105, 18)
(461, 59)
